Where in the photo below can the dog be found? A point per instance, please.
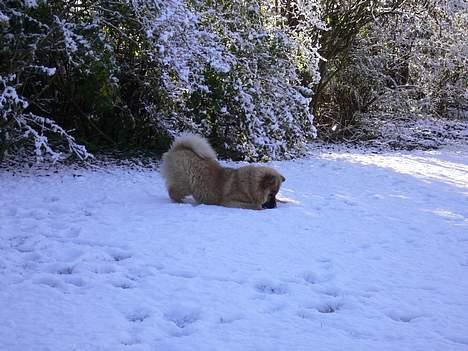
(190, 167)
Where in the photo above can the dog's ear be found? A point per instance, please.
(267, 181)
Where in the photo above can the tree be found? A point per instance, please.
(406, 59)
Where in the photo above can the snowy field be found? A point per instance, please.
(373, 255)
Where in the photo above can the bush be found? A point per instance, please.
(135, 74)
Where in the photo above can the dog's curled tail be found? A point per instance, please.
(195, 143)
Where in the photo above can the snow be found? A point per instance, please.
(4, 18)
(50, 71)
(30, 3)
(9, 94)
(372, 254)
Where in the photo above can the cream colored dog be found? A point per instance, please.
(190, 167)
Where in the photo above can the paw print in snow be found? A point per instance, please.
(271, 288)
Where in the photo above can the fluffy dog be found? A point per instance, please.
(190, 167)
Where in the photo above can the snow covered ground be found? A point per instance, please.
(372, 256)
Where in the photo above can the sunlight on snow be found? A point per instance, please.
(425, 168)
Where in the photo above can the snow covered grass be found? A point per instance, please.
(373, 255)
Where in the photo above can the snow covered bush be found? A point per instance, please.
(25, 75)
(17, 125)
(137, 72)
(232, 72)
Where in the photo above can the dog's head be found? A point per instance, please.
(270, 183)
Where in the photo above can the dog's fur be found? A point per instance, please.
(190, 167)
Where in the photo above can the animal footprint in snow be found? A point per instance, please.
(138, 315)
(268, 287)
(130, 340)
(65, 270)
(183, 316)
(324, 306)
(404, 316)
(310, 277)
(331, 306)
(316, 278)
(123, 284)
(60, 268)
(119, 255)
